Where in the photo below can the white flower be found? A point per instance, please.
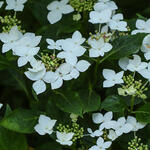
(99, 48)
(100, 17)
(96, 133)
(112, 78)
(112, 135)
(45, 125)
(142, 26)
(64, 138)
(81, 66)
(116, 23)
(146, 47)
(100, 118)
(1, 105)
(146, 72)
(1, 3)
(57, 8)
(122, 127)
(16, 5)
(123, 63)
(101, 145)
(136, 125)
(62, 73)
(37, 74)
(72, 48)
(10, 39)
(136, 64)
(54, 45)
(26, 48)
(103, 5)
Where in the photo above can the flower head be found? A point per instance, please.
(57, 8)
(112, 78)
(45, 125)
(64, 138)
(16, 5)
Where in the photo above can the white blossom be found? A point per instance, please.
(37, 74)
(116, 23)
(101, 145)
(81, 66)
(96, 133)
(105, 4)
(122, 127)
(10, 39)
(100, 17)
(136, 125)
(146, 72)
(72, 48)
(112, 78)
(16, 5)
(146, 47)
(112, 135)
(54, 45)
(100, 118)
(99, 48)
(62, 73)
(64, 138)
(142, 26)
(45, 125)
(136, 64)
(123, 63)
(26, 48)
(57, 9)
(1, 3)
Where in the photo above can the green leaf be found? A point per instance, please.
(143, 113)
(21, 120)
(78, 102)
(125, 46)
(114, 103)
(10, 140)
(91, 101)
(46, 146)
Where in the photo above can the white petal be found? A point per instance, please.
(57, 84)
(100, 141)
(75, 73)
(108, 116)
(82, 65)
(107, 144)
(94, 53)
(54, 16)
(108, 83)
(39, 87)
(39, 130)
(97, 118)
(22, 61)
(123, 63)
(50, 77)
(108, 73)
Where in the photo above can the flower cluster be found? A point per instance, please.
(49, 69)
(109, 130)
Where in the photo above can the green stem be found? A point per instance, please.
(132, 103)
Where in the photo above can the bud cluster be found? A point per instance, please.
(75, 128)
(82, 5)
(51, 62)
(136, 144)
(132, 87)
(97, 36)
(9, 21)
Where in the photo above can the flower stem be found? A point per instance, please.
(132, 103)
